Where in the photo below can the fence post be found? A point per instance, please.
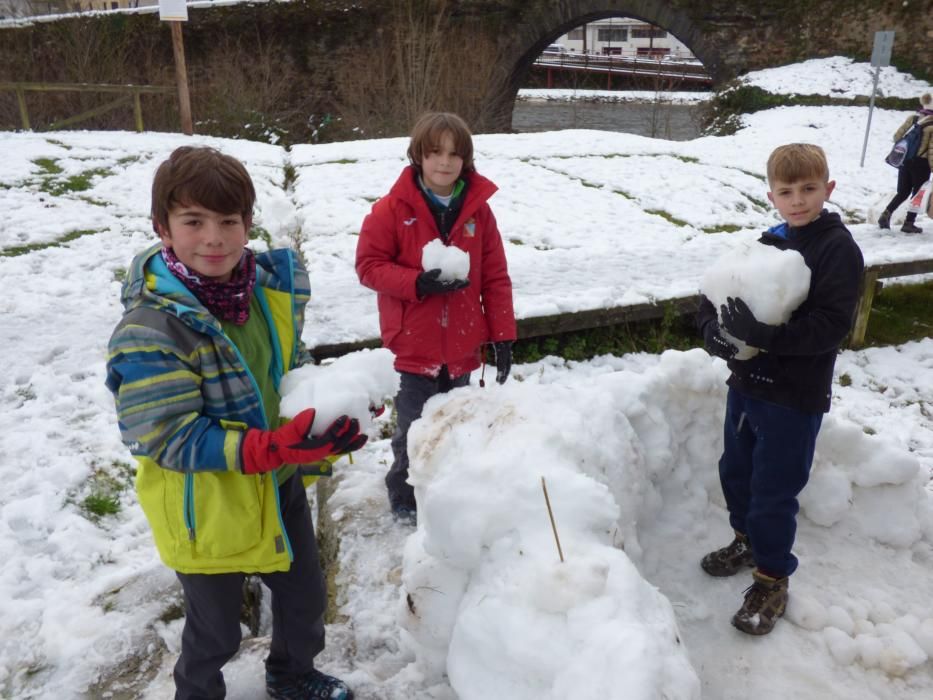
(138, 111)
(863, 310)
(23, 112)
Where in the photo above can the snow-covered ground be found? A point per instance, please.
(628, 445)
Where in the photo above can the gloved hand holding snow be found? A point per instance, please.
(771, 281)
(453, 262)
(349, 386)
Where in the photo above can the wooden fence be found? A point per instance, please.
(132, 96)
(538, 326)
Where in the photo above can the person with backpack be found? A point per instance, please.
(917, 130)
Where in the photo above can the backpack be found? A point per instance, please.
(906, 147)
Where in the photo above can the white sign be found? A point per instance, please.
(881, 50)
(173, 10)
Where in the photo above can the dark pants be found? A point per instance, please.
(910, 177)
(766, 460)
(212, 611)
(414, 391)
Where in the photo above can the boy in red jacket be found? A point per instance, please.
(435, 328)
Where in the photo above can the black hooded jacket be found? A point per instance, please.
(795, 367)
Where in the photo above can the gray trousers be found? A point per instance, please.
(414, 391)
(212, 610)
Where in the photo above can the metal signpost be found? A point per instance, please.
(175, 12)
(880, 57)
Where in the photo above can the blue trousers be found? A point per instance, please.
(766, 460)
(212, 611)
(414, 391)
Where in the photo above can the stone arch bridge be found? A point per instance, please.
(380, 62)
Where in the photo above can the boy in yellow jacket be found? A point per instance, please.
(194, 365)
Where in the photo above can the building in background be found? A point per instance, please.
(10, 9)
(624, 36)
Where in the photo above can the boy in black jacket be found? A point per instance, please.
(777, 399)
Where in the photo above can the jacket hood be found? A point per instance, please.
(479, 190)
(825, 220)
(150, 283)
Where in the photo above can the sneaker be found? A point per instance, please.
(765, 602)
(729, 560)
(312, 685)
(884, 221)
(911, 228)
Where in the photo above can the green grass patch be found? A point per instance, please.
(516, 241)
(900, 313)
(721, 228)
(666, 215)
(98, 505)
(624, 194)
(262, 234)
(49, 166)
(73, 183)
(30, 247)
(685, 159)
(290, 175)
(60, 144)
(104, 488)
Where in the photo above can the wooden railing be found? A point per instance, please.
(627, 65)
(538, 326)
(132, 96)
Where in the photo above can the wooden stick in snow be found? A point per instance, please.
(551, 516)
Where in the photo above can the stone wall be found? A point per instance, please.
(321, 70)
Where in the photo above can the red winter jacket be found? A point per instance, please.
(441, 329)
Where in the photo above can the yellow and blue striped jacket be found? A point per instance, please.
(184, 399)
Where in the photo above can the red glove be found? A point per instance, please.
(265, 450)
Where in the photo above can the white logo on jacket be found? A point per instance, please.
(409, 222)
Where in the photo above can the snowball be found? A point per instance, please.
(771, 281)
(827, 496)
(806, 612)
(901, 653)
(839, 618)
(347, 386)
(453, 262)
(843, 648)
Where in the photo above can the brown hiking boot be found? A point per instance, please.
(729, 560)
(765, 601)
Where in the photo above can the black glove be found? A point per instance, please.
(716, 344)
(503, 351)
(428, 283)
(739, 321)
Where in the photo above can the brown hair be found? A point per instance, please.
(926, 100)
(428, 131)
(797, 161)
(203, 176)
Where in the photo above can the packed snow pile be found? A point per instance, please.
(626, 455)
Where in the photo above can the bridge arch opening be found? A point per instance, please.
(604, 66)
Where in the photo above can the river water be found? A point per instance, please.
(666, 121)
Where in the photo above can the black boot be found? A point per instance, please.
(884, 221)
(909, 225)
